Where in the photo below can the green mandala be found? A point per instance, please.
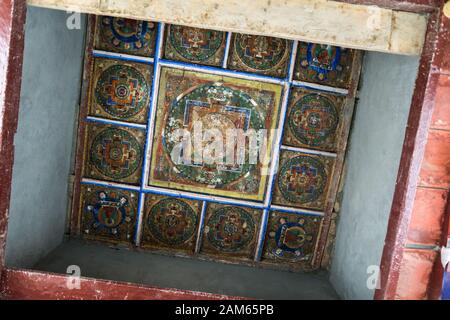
(260, 53)
(115, 153)
(122, 91)
(172, 221)
(230, 229)
(221, 108)
(302, 179)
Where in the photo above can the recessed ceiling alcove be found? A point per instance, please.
(96, 185)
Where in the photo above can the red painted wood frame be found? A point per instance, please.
(435, 63)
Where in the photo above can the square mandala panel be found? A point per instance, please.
(324, 64)
(113, 153)
(196, 113)
(259, 54)
(291, 238)
(230, 231)
(127, 36)
(303, 180)
(120, 90)
(194, 45)
(170, 223)
(108, 214)
(314, 119)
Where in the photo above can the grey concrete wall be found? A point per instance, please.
(372, 163)
(49, 96)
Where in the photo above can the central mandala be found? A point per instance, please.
(230, 229)
(122, 91)
(213, 134)
(216, 108)
(115, 153)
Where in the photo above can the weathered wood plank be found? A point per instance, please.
(321, 21)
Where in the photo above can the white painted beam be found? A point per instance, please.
(321, 21)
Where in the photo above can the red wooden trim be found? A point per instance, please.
(35, 285)
(435, 285)
(12, 20)
(412, 154)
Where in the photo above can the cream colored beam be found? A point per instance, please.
(348, 25)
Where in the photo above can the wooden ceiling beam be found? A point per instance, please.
(338, 23)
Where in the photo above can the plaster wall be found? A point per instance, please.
(376, 140)
(50, 91)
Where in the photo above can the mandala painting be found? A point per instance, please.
(230, 231)
(125, 36)
(120, 90)
(170, 223)
(324, 64)
(114, 153)
(303, 180)
(194, 45)
(260, 54)
(194, 148)
(314, 120)
(291, 237)
(108, 214)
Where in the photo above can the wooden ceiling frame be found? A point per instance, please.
(345, 24)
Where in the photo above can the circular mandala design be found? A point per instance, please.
(109, 209)
(302, 179)
(126, 34)
(122, 91)
(215, 108)
(115, 153)
(172, 221)
(231, 229)
(313, 119)
(260, 52)
(195, 44)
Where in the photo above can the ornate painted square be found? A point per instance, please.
(314, 120)
(170, 223)
(108, 214)
(127, 36)
(324, 64)
(196, 111)
(230, 231)
(120, 90)
(194, 45)
(303, 180)
(114, 153)
(259, 54)
(291, 238)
